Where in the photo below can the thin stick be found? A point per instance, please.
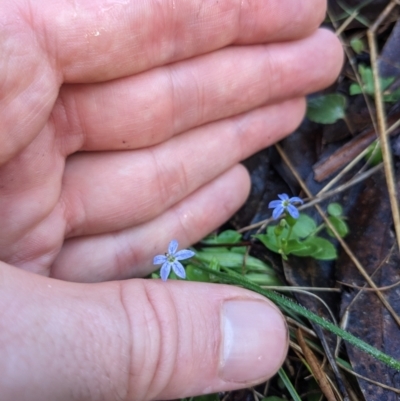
(347, 22)
(302, 289)
(357, 178)
(394, 126)
(335, 179)
(385, 288)
(382, 16)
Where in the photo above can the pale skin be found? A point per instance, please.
(122, 124)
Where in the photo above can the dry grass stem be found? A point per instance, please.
(393, 127)
(382, 16)
(346, 23)
(297, 324)
(321, 195)
(318, 373)
(297, 348)
(293, 288)
(386, 151)
(385, 288)
(334, 180)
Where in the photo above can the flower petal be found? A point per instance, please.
(296, 199)
(173, 246)
(165, 270)
(179, 269)
(278, 211)
(293, 211)
(283, 196)
(184, 254)
(159, 259)
(273, 204)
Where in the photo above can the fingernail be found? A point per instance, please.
(254, 340)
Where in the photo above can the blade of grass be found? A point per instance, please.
(289, 385)
(385, 146)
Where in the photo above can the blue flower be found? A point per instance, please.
(171, 260)
(284, 204)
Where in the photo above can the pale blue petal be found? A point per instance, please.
(275, 203)
(293, 211)
(283, 196)
(296, 199)
(173, 246)
(277, 212)
(159, 259)
(165, 270)
(184, 254)
(179, 269)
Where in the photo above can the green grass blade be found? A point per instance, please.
(288, 384)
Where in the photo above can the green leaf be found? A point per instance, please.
(374, 153)
(269, 239)
(386, 82)
(340, 226)
(355, 89)
(357, 45)
(367, 78)
(215, 249)
(225, 237)
(193, 273)
(288, 384)
(294, 245)
(297, 248)
(263, 279)
(368, 85)
(335, 209)
(324, 249)
(326, 109)
(235, 261)
(392, 97)
(229, 237)
(239, 249)
(304, 227)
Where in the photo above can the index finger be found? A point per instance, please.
(105, 39)
(46, 43)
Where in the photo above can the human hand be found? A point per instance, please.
(122, 124)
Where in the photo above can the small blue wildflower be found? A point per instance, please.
(171, 260)
(284, 204)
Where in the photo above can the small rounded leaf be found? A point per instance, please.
(335, 209)
(326, 109)
(305, 226)
(340, 226)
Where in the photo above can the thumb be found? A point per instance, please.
(132, 340)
